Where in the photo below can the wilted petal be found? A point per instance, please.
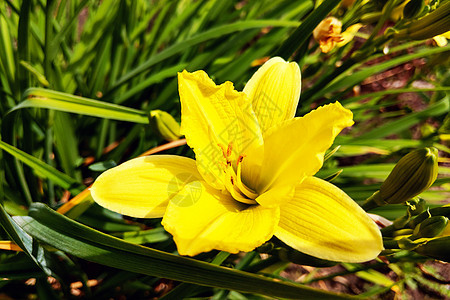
(322, 221)
(349, 34)
(440, 40)
(296, 148)
(142, 187)
(328, 33)
(274, 90)
(217, 221)
(213, 115)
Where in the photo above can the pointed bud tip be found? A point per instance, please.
(413, 174)
(164, 125)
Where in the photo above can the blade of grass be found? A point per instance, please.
(197, 39)
(66, 144)
(407, 121)
(43, 169)
(346, 81)
(22, 42)
(23, 240)
(59, 37)
(393, 92)
(6, 53)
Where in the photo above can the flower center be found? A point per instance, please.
(233, 180)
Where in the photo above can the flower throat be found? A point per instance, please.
(233, 180)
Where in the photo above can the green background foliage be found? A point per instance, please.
(78, 80)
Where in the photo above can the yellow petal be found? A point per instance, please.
(216, 221)
(440, 40)
(142, 187)
(349, 34)
(296, 148)
(276, 196)
(322, 221)
(213, 119)
(274, 90)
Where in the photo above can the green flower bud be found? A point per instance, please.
(412, 175)
(437, 211)
(430, 227)
(407, 244)
(267, 247)
(436, 248)
(413, 8)
(432, 24)
(401, 232)
(416, 206)
(165, 125)
(401, 222)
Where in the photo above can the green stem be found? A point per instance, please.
(371, 202)
(346, 272)
(371, 17)
(390, 244)
(388, 231)
(256, 267)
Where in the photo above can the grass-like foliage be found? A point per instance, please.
(82, 87)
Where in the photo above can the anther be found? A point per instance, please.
(224, 152)
(229, 149)
(240, 159)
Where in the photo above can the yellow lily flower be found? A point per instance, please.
(253, 174)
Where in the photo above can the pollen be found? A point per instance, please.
(240, 159)
(229, 149)
(224, 152)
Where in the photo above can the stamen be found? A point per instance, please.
(236, 193)
(240, 158)
(233, 182)
(224, 152)
(229, 149)
(242, 187)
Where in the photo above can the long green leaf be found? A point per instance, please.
(66, 144)
(6, 52)
(36, 97)
(197, 39)
(23, 240)
(69, 236)
(152, 79)
(392, 92)
(304, 31)
(23, 41)
(349, 80)
(407, 121)
(43, 169)
(56, 41)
